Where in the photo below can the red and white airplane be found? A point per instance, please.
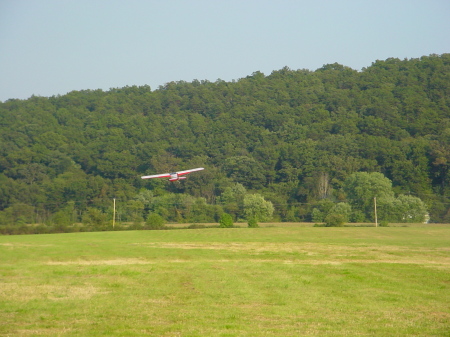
(173, 176)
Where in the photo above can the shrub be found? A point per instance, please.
(155, 221)
(226, 221)
(136, 226)
(334, 220)
(252, 223)
(196, 226)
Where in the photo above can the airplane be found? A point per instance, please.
(174, 175)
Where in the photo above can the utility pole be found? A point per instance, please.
(114, 212)
(375, 206)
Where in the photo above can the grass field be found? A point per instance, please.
(271, 281)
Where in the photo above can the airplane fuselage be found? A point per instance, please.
(174, 177)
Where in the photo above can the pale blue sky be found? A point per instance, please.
(51, 47)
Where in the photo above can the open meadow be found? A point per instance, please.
(271, 281)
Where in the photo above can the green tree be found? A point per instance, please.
(65, 216)
(317, 215)
(95, 217)
(18, 214)
(256, 207)
(343, 209)
(245, 170)
(362, 187)
(232, 200)
(406, 208)
(135, 210)
(321, 209)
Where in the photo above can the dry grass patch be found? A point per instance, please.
(322, 253)
(25, 292)
(43, 332)
(115, 262)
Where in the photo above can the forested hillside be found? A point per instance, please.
(293, 138)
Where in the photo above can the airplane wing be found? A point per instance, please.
(180, 173)
(173, 175)
(164, 175)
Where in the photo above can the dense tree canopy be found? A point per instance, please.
(293, 137)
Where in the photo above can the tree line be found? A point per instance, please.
(291, 140)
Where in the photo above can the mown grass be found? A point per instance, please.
(273, 281)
